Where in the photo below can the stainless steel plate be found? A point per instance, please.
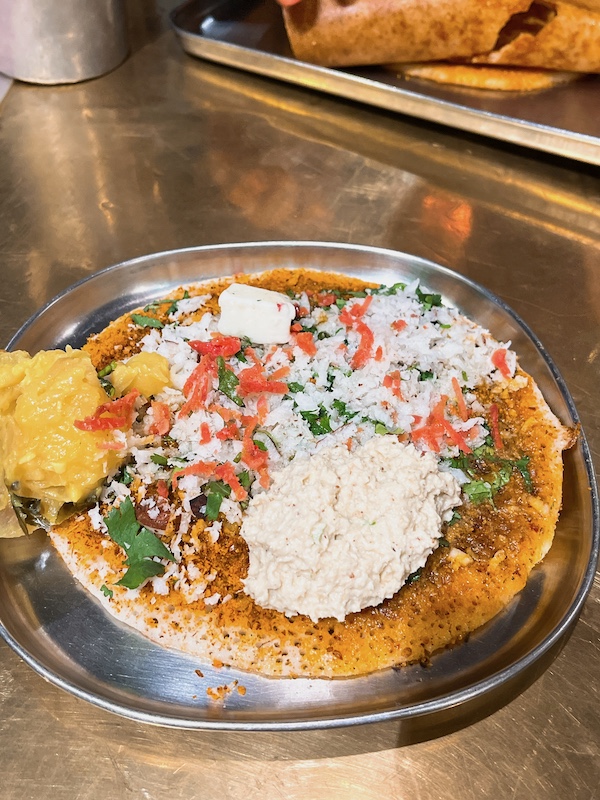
(249, 35)
(67, 637)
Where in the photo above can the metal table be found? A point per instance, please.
(169, 151)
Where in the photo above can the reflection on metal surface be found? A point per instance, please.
(252, 37)
(535, 241)
(507, 189)
(44, 43)
(461, 683)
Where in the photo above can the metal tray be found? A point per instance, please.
(249, 34)
(66, 636)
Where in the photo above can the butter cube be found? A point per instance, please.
(261, 315)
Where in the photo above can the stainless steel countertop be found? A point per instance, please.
(167, 152)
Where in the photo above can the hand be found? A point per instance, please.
(288, 2)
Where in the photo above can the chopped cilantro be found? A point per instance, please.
(454, 518)
(318, 421)
(106, 591)
(428, 300)
(323, 335)
(171, 301)
(478, 491)
(141, 546)
(124, 476)
(488, 473)
(502, 477)
(443, 542)
(261, 445)
(414, 576)
(269, 435)
(295, 387)
(215, 491)
(522, 464)
(342, 410)
(228, 382)
(465, 377)
(245, 479)
(244, 343)
(156, 458)
(146, 322)
(382, 429)
(389, 290)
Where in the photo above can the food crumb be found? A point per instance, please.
(219, 693)
(199, 673)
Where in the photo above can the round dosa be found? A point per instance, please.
(485, 561)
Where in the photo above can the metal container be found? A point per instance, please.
(61, 41)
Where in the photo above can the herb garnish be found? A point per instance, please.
(382, 429)
(215, 491)
(172, 304)
(141, 546)
(427, 299)
(342, 410)
(488, 473)
(414, 576)
(146, 322)
(389, 290)
(454, 518)
(319, 421)
(244, 343)
(228, 382)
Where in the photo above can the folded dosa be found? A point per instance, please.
(555, 36)
(506, 79)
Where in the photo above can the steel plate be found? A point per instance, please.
(66, 636)
(251, 36)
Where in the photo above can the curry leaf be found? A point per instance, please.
(228, 382)
(146, 322)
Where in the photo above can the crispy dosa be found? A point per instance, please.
(545, 35)
(504, 79)
(487, 556)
